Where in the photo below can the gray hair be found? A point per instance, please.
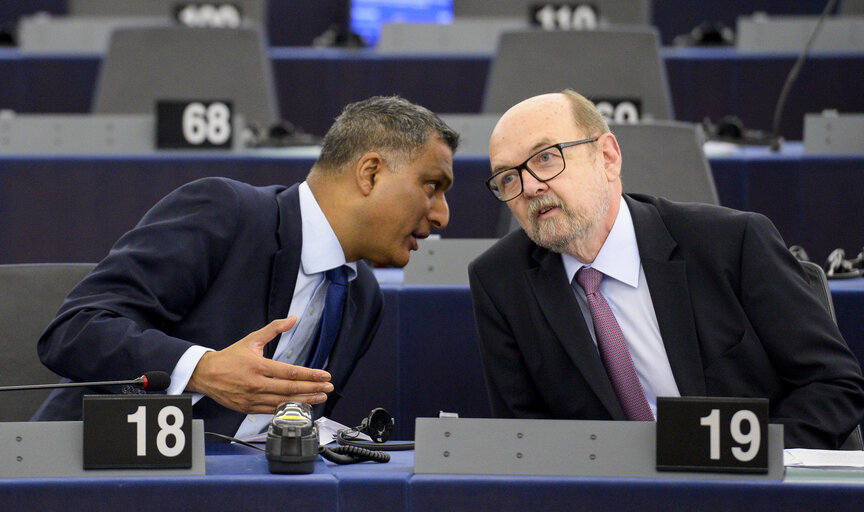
(381, 123)
(586, 115)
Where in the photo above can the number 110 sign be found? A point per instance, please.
(712, 434)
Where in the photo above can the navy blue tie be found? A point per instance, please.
(334, 303)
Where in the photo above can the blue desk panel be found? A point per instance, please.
(73, 208)
(313, 85)
(240, 481)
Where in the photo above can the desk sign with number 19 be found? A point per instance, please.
(137, 431)
(712, 434)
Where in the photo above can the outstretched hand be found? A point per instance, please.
(241, 378)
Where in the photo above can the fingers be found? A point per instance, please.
(267, 404)
(286, 371)
(264, 335)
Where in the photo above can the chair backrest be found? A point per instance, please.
(609, 11)
(682, 174)
(819, 284)
(30, 296)
(144, 65)
(474, 131)
(851, 8)
(620, 66)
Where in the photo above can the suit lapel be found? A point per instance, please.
(548, 282)
(667, 281)
(286, 261)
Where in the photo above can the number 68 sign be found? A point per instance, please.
(712, 434)
(137, 431)
(194, 124)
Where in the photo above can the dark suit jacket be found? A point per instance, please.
(734, 308)
(210, 263)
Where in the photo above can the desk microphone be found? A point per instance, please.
(793, 76)
(150, 381)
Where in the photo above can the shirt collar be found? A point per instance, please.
(321, 250)
(619, 256)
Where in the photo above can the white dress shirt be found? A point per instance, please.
(319, 253)
(626, 290)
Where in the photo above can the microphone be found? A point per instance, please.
(793, 76)
(150, 381)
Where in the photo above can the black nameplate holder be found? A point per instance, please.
(137, 431)
(712, 434)
(620, 110)
(202, 124)
(564, 15)
(208, 14)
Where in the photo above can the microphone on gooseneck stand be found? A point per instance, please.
(793, 76)
(150, 381)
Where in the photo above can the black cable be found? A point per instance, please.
(353, 455)
(793, 76)
(233, 440)
(389, 447)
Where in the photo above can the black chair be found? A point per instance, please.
(30, 295)
(819, 284)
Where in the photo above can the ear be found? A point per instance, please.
(608, 145)
(366, 171)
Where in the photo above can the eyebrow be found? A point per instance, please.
(443, 176)
(540, 144)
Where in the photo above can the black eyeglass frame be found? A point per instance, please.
(524, 165)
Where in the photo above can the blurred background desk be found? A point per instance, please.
(237, 479)
(313, 85)
(71, 208)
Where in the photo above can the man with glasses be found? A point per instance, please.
(604, 301)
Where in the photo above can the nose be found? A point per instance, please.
(531, 186)
(439, 214)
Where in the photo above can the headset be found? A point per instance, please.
(292, 440)
(377, 425)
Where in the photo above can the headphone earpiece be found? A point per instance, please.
(378, 425)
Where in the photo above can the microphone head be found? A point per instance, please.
(155, 381)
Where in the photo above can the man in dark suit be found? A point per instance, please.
(210, 284)
(704, 300)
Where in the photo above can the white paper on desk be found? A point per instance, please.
(837, 459)
(327, 430)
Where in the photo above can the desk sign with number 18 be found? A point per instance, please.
(712, 434)
(137, 431)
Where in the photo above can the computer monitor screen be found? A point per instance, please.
(367, 16)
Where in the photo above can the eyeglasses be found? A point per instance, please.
(544, 165)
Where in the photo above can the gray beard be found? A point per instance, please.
(558, 234)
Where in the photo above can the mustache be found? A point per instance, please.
(546, 200)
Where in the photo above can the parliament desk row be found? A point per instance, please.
(425, 357)
(313, 85)
(237, 479)
(71, 208)
(299, 22)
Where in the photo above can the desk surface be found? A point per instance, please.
(237, 479)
